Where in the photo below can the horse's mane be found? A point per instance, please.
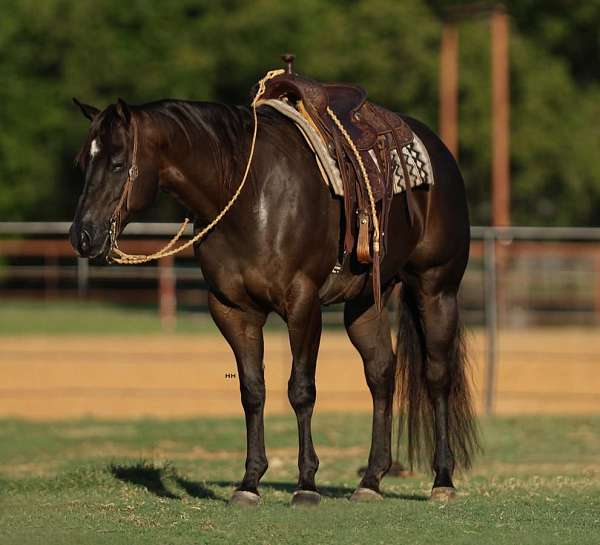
(191, 118)
(228, 129)
(195, 119)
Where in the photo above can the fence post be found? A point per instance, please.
(166, 292)
(51, 274)
(448, 100)
(83, 275)
(491, 318)
(597, 281)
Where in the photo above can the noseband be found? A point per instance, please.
(123, 204)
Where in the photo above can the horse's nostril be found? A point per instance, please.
(85, 242)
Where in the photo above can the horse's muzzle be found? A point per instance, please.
(86, 242)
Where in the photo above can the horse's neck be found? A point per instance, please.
(198, 168)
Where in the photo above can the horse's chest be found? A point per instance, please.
(240, 283)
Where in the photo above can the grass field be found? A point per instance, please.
(165, 478)
(167, 482)
(34, 317)
(74, 317)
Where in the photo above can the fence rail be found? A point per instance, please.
(62, 228)
(492, 248)
(47, 228)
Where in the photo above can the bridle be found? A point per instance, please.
(123, 204)
(115, 255)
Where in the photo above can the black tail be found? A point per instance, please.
(414, 403)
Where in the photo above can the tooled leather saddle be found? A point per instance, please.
(374, 131)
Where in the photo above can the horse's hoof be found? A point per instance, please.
(443, 493)
(305, 498)
(365, 494)
(243, 498)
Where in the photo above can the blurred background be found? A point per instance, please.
(513, 89)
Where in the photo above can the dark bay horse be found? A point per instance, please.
(275, 251)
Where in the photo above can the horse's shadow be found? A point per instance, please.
(154, 480)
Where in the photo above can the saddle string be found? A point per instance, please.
(367, 182)
(118, 256)
(365, 176)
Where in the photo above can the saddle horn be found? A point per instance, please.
(288, 59)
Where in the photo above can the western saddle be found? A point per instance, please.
(360, 137)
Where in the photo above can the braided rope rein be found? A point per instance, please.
(122, 258)
(118, 256)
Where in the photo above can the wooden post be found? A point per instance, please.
(500, 145)
(166, 293)
(83, 276)
(51, 274)
(448, 114)
(597, 275)
(500, 119)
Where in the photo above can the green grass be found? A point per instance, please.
(38, 317)
(167, 482)
(91, 318)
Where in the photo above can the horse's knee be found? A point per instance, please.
(302, 392)
(253, 393)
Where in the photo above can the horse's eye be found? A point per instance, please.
(117, 167)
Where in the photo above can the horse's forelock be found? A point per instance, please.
(99, 129)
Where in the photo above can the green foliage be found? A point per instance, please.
(216, 50)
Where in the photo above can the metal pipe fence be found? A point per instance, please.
(516, 275)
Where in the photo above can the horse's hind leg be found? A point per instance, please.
(440, 321)
(243, 331)
(369, 332)
(445, 400)
(303, 316)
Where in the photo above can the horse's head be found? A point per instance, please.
(120, 170)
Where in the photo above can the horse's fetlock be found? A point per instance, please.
(262, 467)
(311, 465)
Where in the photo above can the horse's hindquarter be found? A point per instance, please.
(285, 225)
(439, 237)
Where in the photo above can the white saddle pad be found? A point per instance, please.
(417, 159)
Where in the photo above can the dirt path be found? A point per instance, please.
(556, 371)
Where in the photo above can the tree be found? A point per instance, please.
(201, 49)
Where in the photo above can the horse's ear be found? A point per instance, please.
(89, 111)
(123, 111)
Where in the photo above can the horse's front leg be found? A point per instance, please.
(303, 316)
(243, 331)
